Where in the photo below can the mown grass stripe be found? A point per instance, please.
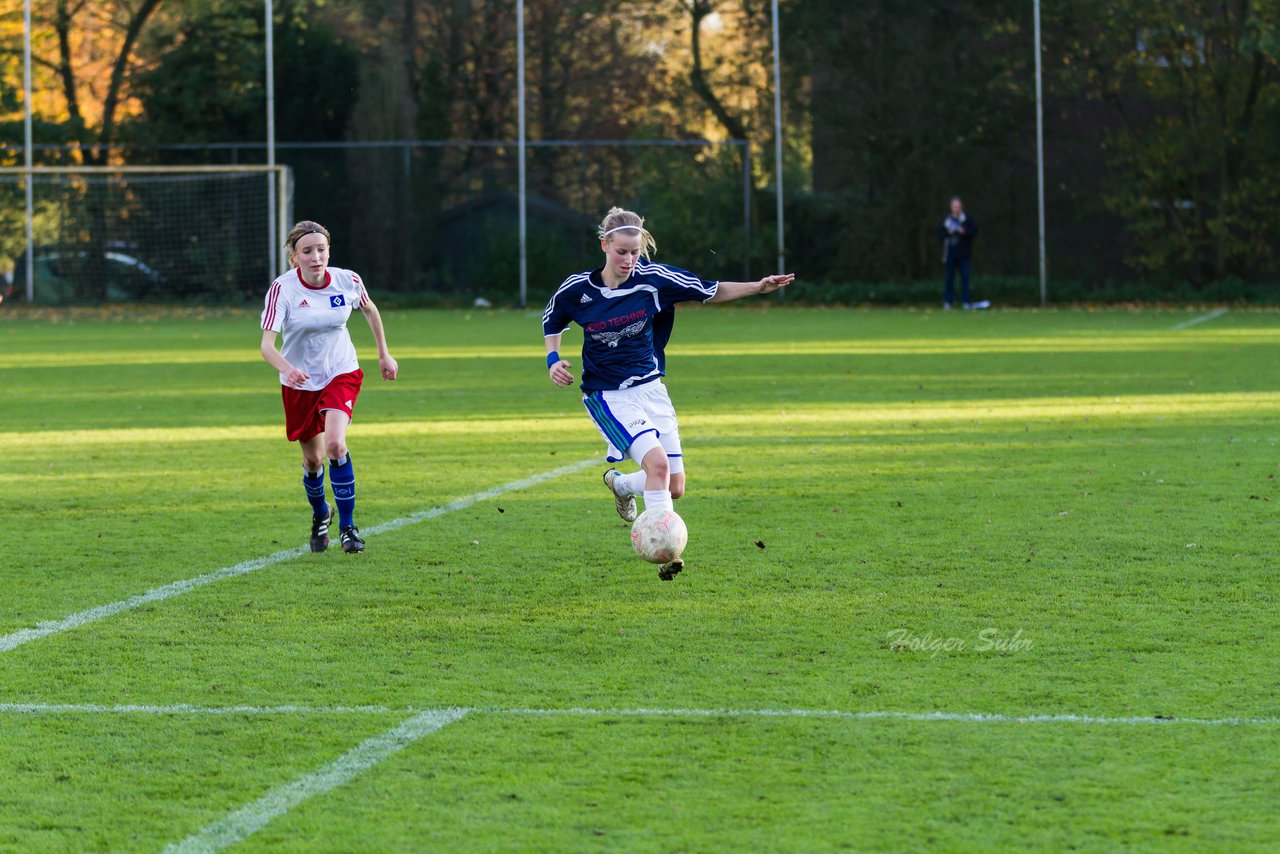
(13, 640)
(923, 717)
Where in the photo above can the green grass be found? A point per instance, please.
(1096, 485)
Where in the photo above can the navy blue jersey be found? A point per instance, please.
(618, 346)
(662, 326)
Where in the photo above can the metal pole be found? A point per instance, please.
(274, 251)
(1044, 291)
(524, 233)
(284, 179)
(777, 138)
(27, 153)
(746, 210)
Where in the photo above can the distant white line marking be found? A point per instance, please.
(464, 503)
(186, 709)
(156, 594)
(249, 819)
(1204, 318)
(925, 717)
(177, 588)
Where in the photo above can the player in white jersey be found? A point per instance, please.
(626, 309)
(320, 377)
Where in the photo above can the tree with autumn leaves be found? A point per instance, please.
(1159, 115)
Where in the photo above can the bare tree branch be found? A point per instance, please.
(112, 100)
(66, 72)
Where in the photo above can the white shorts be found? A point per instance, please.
(636, 420)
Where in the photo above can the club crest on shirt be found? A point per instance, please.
(337, 301)
(612, 338)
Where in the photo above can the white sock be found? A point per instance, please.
(658, 499)
(630, 484)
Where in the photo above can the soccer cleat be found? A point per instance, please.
(626, 507)
(351, 542)
(320, 531)
(669, 571)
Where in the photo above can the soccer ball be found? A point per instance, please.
(659, 536)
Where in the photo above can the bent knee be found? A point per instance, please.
(335, 450)
(657, 466)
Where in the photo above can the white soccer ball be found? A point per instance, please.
(659, 536)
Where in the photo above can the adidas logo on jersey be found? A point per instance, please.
(586, 298)
(304, 304)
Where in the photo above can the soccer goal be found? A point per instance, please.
(206, 234)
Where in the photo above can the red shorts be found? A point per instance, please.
(304, 410)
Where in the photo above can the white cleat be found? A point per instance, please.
(626, 506)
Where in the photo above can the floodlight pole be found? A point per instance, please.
(27, 148)
(777, 138)
(520, 145)
(1044, 292)
(274, 250)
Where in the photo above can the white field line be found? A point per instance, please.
(16, 639)
(1204, 318)
(187, 709)
(249, 819)
(830, 714)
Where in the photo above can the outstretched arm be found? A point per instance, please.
(726, 291)
(558, 369)
(389, 366)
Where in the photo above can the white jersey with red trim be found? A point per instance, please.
(313, 322)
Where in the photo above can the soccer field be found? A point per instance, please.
(965, 580)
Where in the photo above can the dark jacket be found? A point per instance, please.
(959, 246)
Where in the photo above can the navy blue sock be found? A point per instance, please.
(342, 477)
(314, 485)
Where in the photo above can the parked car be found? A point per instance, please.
(61, 273)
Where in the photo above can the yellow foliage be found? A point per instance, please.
(95, 36)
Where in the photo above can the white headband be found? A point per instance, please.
(620, 228)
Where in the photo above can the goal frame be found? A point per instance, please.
(280, 177)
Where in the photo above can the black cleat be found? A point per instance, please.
(668, 571)
(351, 542)
(320, 531)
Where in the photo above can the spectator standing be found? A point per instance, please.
(958, 231)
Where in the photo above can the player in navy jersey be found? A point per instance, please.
(319, 376)
(626, 309)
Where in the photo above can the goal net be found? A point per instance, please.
(206, 234)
